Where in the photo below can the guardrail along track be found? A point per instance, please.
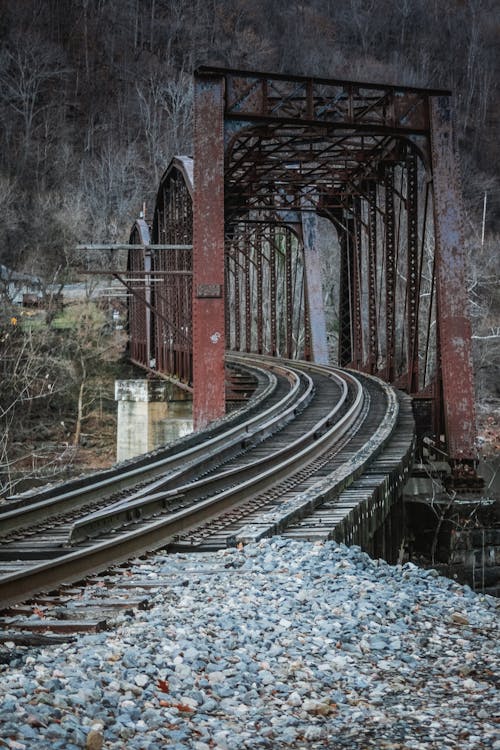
(310, 432)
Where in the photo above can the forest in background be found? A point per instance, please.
(96, 97)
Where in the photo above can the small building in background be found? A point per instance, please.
(20, 288)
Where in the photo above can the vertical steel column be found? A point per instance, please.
(227, 287)
(260, 323)
(314, 289)
(356, 285)
(289, 293)
(160, 323)
(237, 311)
(147, 294)
(345, 328)
(208, 251)
(454, 327)
(307, 327)
(412, 273)
(248, 305)
(390, 274)
(272, 281)
(372, 278)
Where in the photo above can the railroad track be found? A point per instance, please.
(307, 435)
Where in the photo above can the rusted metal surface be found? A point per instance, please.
(390, 275)
(261, 96)
(345, 337)
(412, 285)
(373, 345)
(159, 279)
(454, 326)
(357, 249)
(208, 251)
(273, 151)
(172, 299)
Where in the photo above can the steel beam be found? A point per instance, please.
(345, 294)
(356, 285)
(372, 279)
(289, 295)
(208, 251)
(390, 275)
(454, 327)
(272, 292)
(412, 290)
(314, 288)
(260, 322)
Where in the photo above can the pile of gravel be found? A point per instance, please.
(281, 644)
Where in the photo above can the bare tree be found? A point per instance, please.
(28, 68)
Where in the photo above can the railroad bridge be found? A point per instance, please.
(230, 276)
(232, 259)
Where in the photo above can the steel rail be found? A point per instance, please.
(265, 388)
(326, 488)
(256, 432)
(93, 557)
(195, 457)
(135, 509)
(158, 533)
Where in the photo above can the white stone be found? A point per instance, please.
(294, 699)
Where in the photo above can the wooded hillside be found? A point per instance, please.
(96, 97)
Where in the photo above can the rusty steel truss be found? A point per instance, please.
(274, 156)
(161, 271)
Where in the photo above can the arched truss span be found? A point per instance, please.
(265, 300)
(378, 162)
(172, 267)
(272, 153)
(160, 279)
(375, 190)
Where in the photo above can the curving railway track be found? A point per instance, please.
(308, 435)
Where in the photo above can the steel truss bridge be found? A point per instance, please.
(232, 259)
(232, 262)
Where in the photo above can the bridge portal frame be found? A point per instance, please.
(229, 101)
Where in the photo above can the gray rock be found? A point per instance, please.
(281, 644)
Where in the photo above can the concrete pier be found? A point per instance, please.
(150, 413)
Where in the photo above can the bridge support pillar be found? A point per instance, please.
(208, 251)
(151, 413)
(454, 327)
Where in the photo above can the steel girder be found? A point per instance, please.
(208, 252)
(455, 353)
(378, 161)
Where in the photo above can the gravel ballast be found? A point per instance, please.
(280, 644)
